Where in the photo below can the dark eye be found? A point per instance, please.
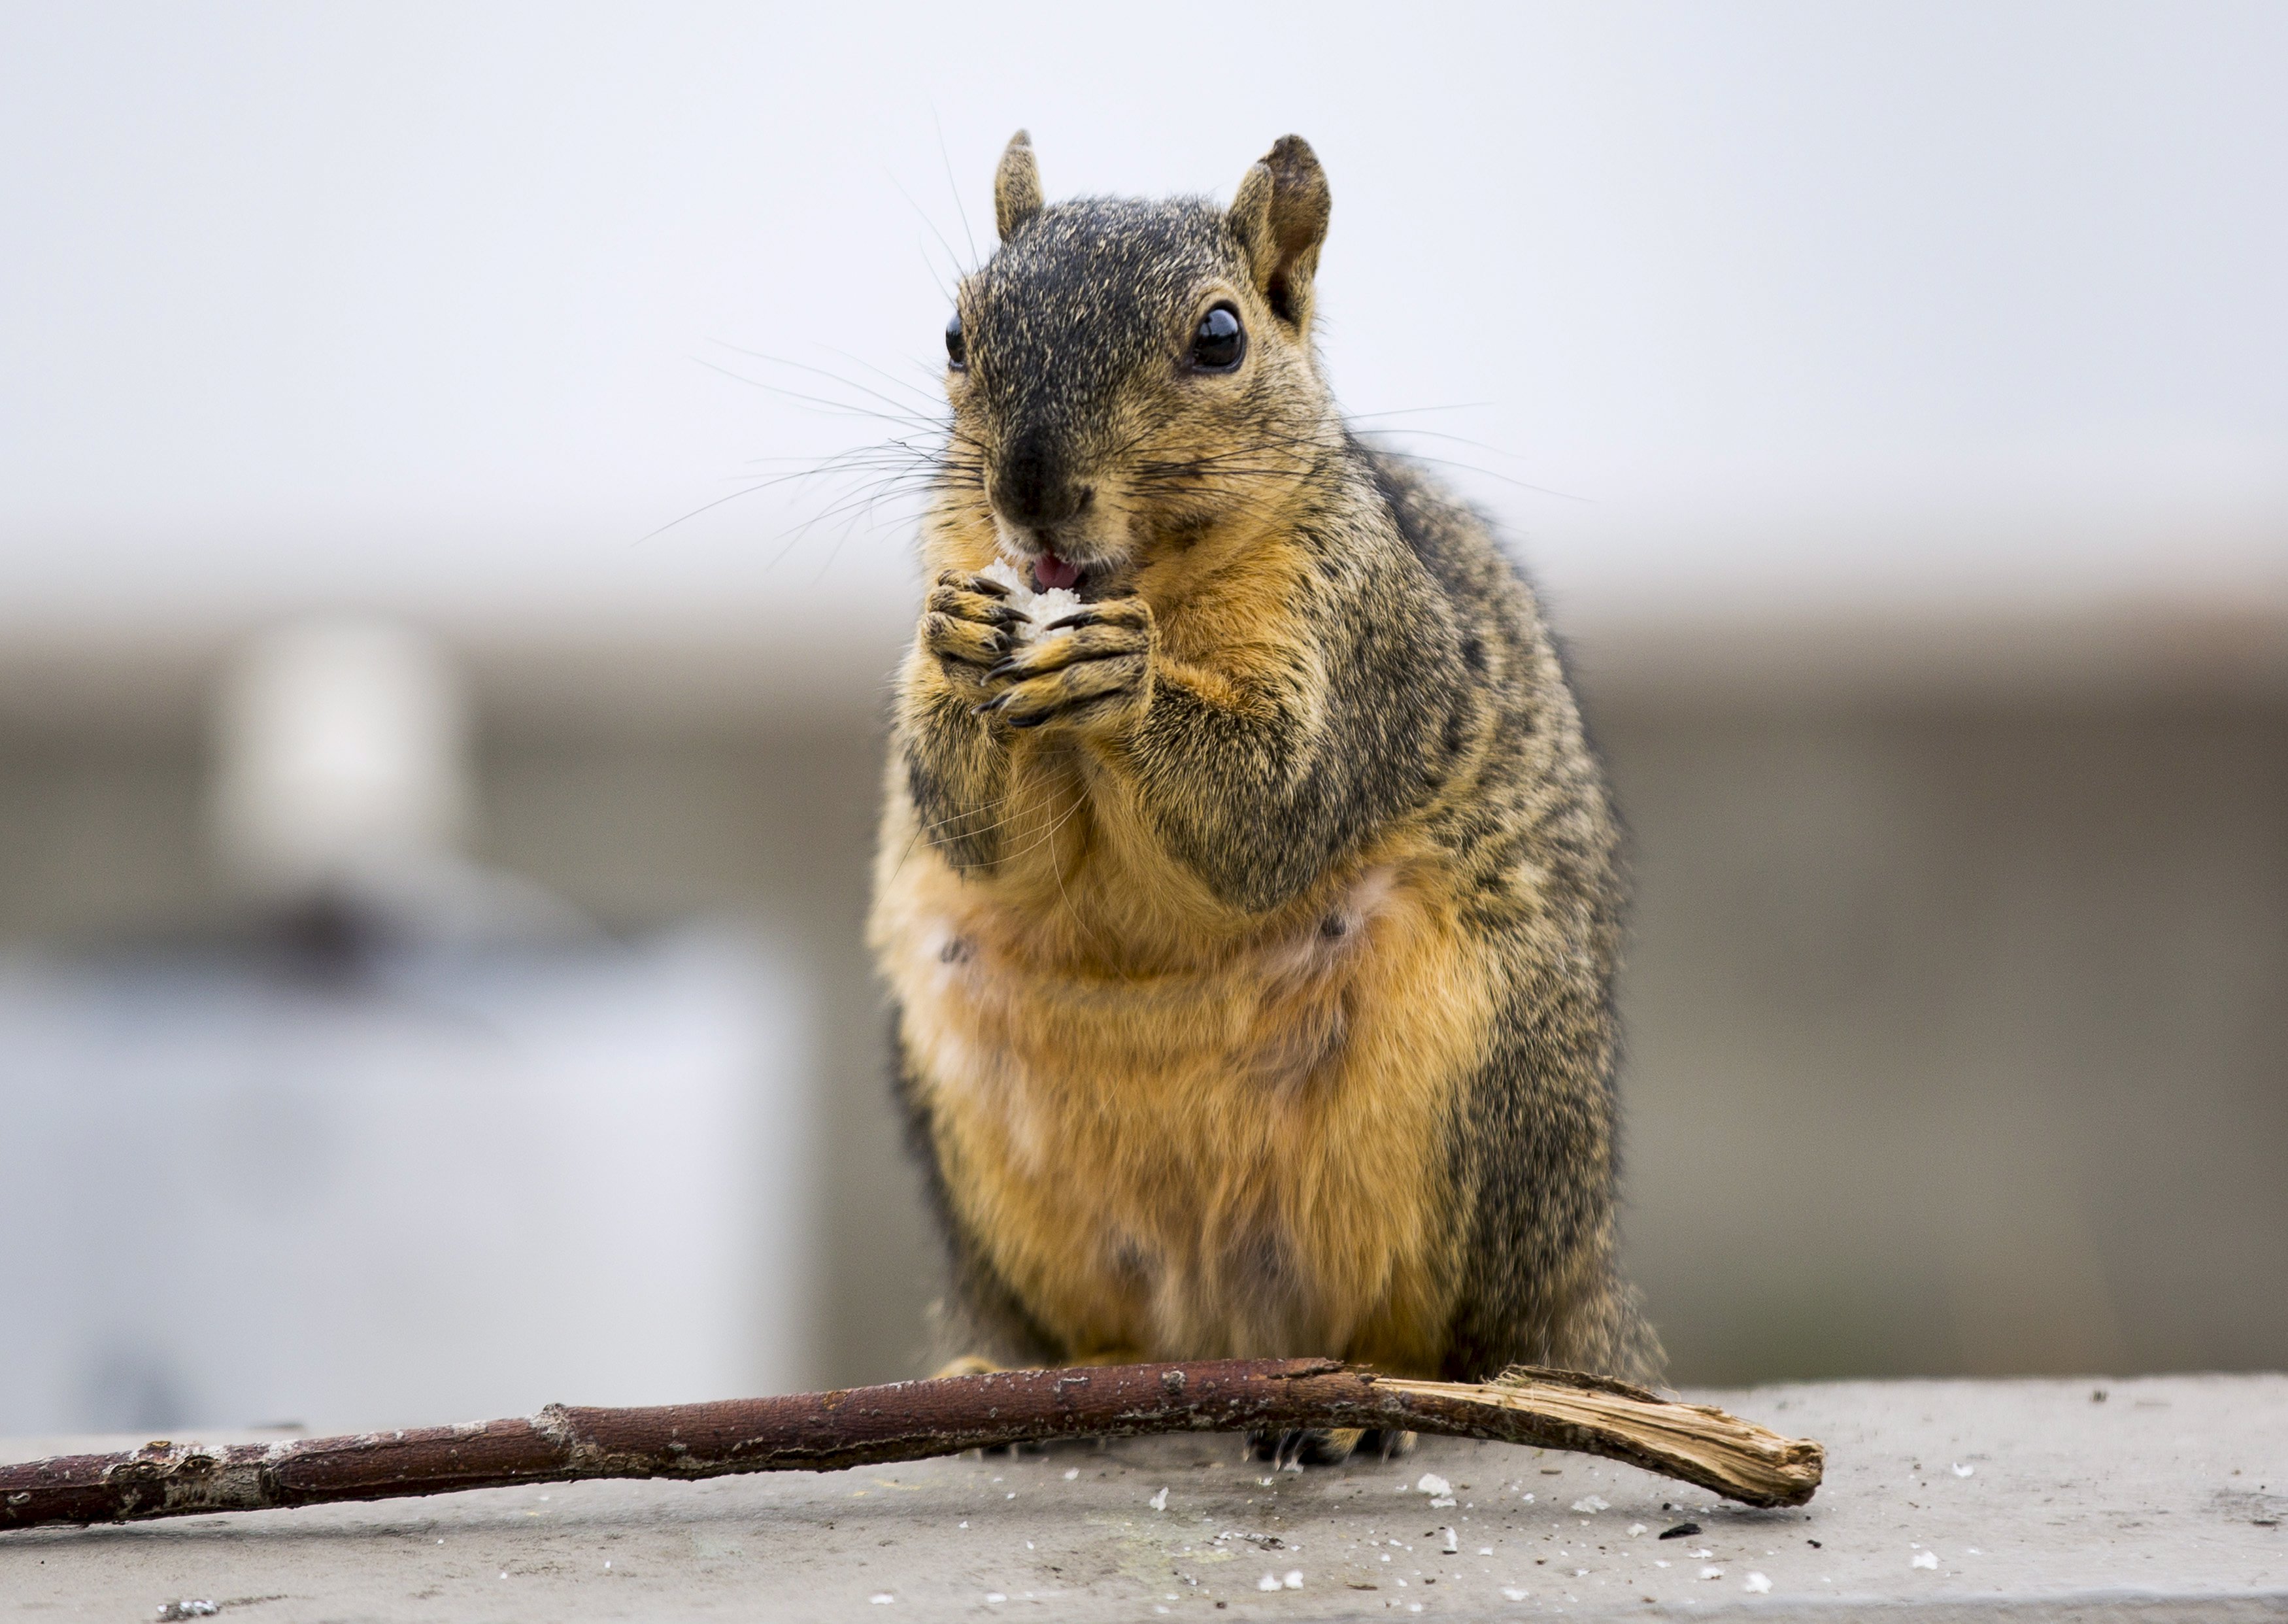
(1219, 341)
(956, 347)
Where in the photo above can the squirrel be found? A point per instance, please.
(1251, 925)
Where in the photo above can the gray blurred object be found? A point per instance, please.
(342, 746)
(475, 1179)
(342, 789)
(412, 1140)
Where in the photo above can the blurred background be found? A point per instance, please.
(441, 702)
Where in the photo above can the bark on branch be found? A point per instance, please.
(908, 1421)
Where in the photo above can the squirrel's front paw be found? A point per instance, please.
(1091, 669)
(967, 626)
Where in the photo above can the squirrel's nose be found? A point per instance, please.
(1033, 489)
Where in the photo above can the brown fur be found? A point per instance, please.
(1253, 939)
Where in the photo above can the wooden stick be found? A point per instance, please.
(908, 1421)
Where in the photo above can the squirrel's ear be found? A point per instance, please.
(1016, 186)
(1280, 218)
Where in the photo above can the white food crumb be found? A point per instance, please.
(1442, 1502)
(1964, 1471)
(1702, 1555)
(1158, 1502)
(1072, 1473)
(1039, 608)
(882, 1600)
(1636, 1528)
(1430, 1483)
(1485, 1550)
(1757, 1584)
(1928, 1559)
(1974, 1550)
(1593, 1503)
(1658, 1563)
(1294, 1579)
(1711, 1573)
(1529, 1499)
(1269, 1581)
(1514, 1593)
(1453, 1545)
(995, 1595)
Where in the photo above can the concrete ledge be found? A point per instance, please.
(1950, 1500)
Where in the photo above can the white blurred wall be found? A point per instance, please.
(1728, 308)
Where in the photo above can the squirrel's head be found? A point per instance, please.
(1126, 376)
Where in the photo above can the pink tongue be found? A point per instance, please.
(1053, 572)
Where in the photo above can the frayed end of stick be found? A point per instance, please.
(1549, 1375)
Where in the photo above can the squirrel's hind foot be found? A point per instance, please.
(1303, 1447)
(965, 1365)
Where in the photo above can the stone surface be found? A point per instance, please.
(2164, 1499)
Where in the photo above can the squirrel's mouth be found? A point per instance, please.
(1046, 558)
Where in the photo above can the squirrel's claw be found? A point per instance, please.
(969, 625)
(1092, 667)
(959, 600)
(1095, 689)
(967, 582)
(967, 642)
(1088, 643)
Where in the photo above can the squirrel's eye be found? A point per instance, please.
(1219, 341)
(956, 347)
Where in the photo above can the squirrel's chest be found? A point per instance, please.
(1245, 1159)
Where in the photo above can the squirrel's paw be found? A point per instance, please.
(1327, 1445)
(967, 1365)
(1091, 669)
(967, 626)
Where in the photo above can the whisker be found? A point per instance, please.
(918, 209)
(951, 186)
(900, 410)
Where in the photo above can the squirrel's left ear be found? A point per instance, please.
(1280, 218)
(1016, 186)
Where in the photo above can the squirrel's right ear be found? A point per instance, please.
(1280, 218)
(1016, 186)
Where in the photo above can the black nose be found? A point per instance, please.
(1034, 488)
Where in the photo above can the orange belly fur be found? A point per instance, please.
(1237, 1147)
